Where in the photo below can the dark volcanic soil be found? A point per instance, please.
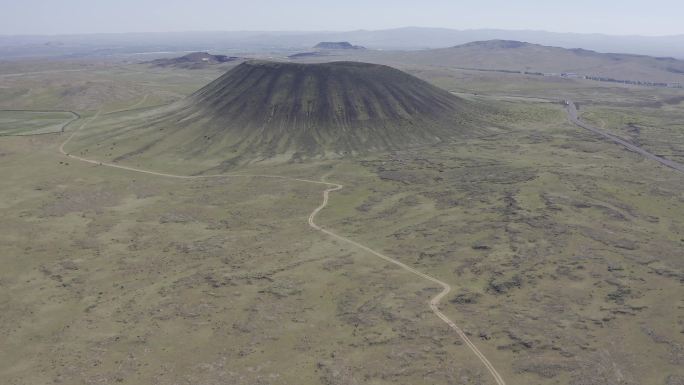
(261, 110)
(343, 107)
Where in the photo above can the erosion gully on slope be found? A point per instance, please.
(434, 302)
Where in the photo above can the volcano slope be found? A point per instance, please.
(284, 111)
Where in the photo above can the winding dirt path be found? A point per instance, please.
(434, 302)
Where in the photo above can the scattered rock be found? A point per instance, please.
(466, 298)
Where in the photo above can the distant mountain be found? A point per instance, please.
(193, 60)
(426, 38)
(324, 48)
(337, 45)
(409, 38)
(495, 44)
(517, 56)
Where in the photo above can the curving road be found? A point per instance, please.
(434, 302)
(571, 107)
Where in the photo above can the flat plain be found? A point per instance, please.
(565, 251)
(17, 122)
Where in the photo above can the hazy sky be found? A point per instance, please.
(644, 17)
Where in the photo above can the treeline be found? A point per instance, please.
(504, 71)
(634, 82)
(573, 75)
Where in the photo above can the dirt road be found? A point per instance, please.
(434, 302)
(574, 118)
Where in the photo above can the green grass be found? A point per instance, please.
(110, 86)
(547, 228)
(564, 252)
(659, 129)
(34, 122)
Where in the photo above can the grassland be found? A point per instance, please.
(114, 277)
(90, 86)
(565, 253)
(546, 239)
(657, 127)
(34, 122)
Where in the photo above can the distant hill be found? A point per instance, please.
(406, 38)
(520, 56)
(193, 60)
(337, 45)
(326, 48)
(261, 110)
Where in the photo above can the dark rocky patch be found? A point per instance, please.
(466, 298)
(501, 285)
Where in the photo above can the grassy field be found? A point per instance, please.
(34, 122)
(657, 127)
(113, 277)
(111, 86)
(567, 268)
(564, 251)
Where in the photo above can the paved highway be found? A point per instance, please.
(574, 118)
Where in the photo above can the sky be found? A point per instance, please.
(616, 17)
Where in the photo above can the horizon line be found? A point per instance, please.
(307, 31)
